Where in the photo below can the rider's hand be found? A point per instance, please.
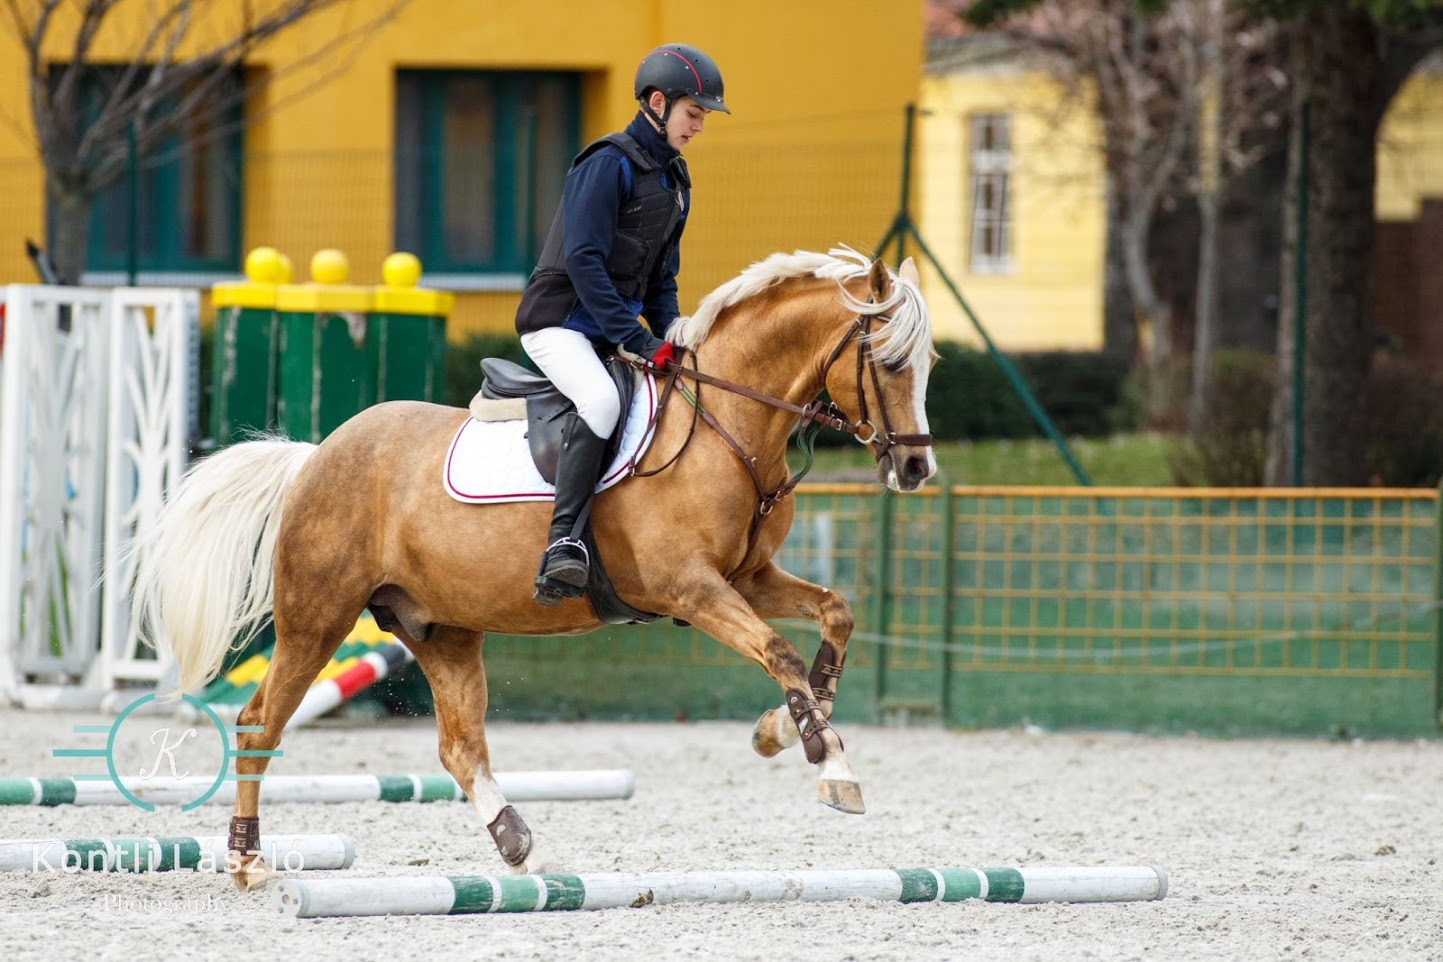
(664, 355)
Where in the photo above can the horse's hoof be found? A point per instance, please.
(252, 874)
(536, 862)
(765, 745)
(843, 796)
(774, 733)
(764, 736)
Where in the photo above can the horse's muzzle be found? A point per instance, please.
(904, 467)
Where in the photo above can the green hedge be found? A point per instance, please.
(1402, 423)
(1230, 447)
(968, 396)
(463, 363)
(1400, 417)
(1085, 394)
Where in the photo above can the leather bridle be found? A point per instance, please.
(825, 414)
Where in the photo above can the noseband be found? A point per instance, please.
(866, 361)
(813, 412)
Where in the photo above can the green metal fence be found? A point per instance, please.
(1283, 610)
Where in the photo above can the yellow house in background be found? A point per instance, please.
(447, 132)
(1010, 188)
(1410, 146)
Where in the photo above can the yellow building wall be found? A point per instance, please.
(1410, 147)
(809, 158)
(1052, 297)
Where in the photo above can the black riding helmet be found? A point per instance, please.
(679, 70)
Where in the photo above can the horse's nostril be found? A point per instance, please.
(915, 468)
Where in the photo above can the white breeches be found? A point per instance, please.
(568, 358)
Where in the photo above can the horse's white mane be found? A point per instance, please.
(905, 339)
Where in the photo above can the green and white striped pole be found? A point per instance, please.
(466, 895)
(206, 853)
(556, 786)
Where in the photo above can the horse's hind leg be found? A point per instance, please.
(303, 646)
(451, 659)
(773, 593)
(718, 609)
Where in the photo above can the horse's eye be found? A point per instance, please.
(896, 367)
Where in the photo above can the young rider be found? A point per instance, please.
(611, 255)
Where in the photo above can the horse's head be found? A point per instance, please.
(871, 347)
(878, 374)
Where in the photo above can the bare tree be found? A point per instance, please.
(184, 69)
(1179, 93)
(1147, 72)
(1245, 98)
(1144, 73)
(1348, 62)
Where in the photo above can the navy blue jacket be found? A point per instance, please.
(594, 193)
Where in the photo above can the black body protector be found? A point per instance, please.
(644, 229)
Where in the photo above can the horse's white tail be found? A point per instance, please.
(203, 574)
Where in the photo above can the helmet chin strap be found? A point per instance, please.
(665, 113)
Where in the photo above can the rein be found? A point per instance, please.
(812, 416)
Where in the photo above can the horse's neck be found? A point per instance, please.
(777, 346)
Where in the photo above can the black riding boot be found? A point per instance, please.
(565, 565)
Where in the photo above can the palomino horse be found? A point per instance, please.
(312, 535)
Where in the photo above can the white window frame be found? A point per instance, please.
(989, 162)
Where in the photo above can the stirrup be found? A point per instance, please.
(567, 571)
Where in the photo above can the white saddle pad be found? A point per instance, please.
(490, 461)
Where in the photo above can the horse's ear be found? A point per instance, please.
(908, 272)
(878, 280)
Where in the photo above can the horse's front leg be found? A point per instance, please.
(773, 594)
(722, 612)
(451, 660)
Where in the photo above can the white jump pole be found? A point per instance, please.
(560, 786)
(205, 853)
(465, 895)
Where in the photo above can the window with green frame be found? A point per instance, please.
(481, 156)
(187, 189)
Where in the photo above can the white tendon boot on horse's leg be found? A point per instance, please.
(514, 842)
(838, 787)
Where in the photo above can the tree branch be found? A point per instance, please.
(94, 11)
(193, 80)
(208, 86)
(138, 61)
(127, 104)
